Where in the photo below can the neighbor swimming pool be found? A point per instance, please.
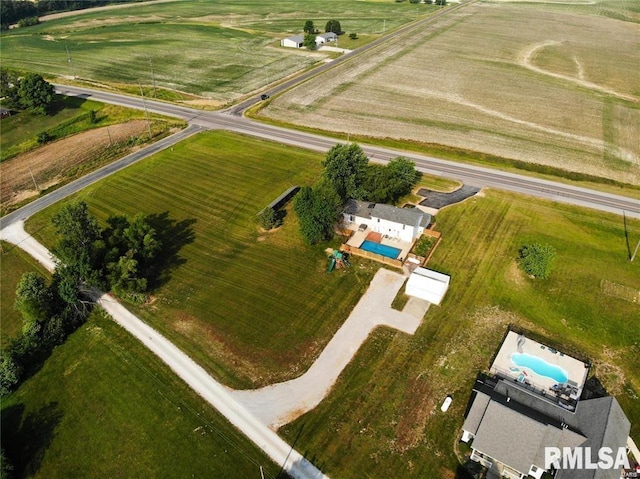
(383, 249)
(540, 367)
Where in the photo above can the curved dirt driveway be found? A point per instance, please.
(257, 412)
(281, 403)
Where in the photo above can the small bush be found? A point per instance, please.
(270, 219)
(424, 245)
(353, 36)
(537, 259)
(93, 117)
(43, 137)
(27, 22)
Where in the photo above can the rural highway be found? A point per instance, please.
(468, 174)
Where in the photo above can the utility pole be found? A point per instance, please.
(146, 112)
(153, 78)
(634, 253)
(70, 62)
(384, 25)
(35, 183)
(261, 473)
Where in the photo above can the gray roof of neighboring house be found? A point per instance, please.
(476, 413)
(604, 423)
(596, 423)
(516, 439)
(405, 216)
(328, 35)
(296, 38)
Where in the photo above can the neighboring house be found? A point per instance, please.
(401, 223)
(511, 422)
(326, 38)
(294, 41)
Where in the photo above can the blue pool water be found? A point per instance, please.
(383, 249)
(540, 367)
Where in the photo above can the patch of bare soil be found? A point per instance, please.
(48, 165)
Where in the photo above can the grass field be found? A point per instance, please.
(102, 406)
(77, 145)
(221, 305)
(68, 116)
(383, 417)
(215, 49)
(13, 262)
(557, 86)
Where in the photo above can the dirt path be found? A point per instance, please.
(55, 16)
(528, 54)
(47, 164)
(282, 403)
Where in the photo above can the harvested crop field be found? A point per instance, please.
(556, 85)
(50, 164)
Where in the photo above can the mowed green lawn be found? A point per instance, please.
(13, 263)
(383, 418)
(217, 49)
(252, 308)
(103, 406)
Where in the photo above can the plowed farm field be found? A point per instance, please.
(552, 84)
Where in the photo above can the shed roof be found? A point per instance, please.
(296, 38)
(428, 285)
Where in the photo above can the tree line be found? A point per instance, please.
(30, 92)
(13, 11)
(122, 257)
(347, 174)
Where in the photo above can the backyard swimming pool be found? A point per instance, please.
(383, 249)
(540, 367)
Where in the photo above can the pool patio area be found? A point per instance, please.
(547, 371)
(367, 234)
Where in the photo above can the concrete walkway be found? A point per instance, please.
(281, 403)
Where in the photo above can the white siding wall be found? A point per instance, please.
(389, 228)
(289, 43)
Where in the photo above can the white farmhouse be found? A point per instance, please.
(326, 38)
(294, 41)
(401, 223)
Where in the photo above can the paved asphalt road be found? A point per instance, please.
(468, 174)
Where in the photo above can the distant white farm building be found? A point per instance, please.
(294, 41)
(428, 285)
(326, 38)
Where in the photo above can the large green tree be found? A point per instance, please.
(79, 248)
(33, 297)
(9, 83)
(318, 209)
(333, 26)
(309, 27)
(345, 167)
(309, 41)
(36, 94)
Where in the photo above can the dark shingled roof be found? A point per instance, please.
(497, 423)
(404, 216)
